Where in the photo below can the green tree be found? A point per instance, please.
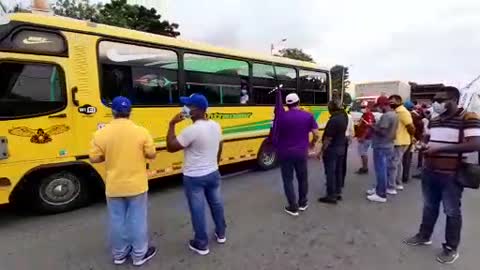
(340, 81)
(119, 13)
(297, 54)
(77, 9)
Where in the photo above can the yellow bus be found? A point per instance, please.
(58, 77)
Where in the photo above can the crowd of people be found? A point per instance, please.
(125, 147)
(402, 128)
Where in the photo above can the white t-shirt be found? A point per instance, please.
(425, 126)
(350, 128)
(201, 141)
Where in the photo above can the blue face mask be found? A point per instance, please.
(186, 112)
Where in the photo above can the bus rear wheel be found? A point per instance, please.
(60, 192)
(267, 157)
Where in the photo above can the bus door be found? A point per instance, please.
(35, 116)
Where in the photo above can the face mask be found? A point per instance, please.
(244, 91)
(363, 110)
(439, 108)
(186, 112)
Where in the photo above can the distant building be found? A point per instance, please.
(424, 93)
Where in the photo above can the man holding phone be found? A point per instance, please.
(364, 136)
(443, 155)
(202, 145)
(382, 143)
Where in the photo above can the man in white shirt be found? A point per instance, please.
(349, 133)
(202, 145)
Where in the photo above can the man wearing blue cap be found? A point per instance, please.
(202, 145)
(125, 148)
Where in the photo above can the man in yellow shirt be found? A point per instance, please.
(125, 148)
(403, 139)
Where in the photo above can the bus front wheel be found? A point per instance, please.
(267, 157)
(60, 192)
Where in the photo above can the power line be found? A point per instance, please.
(472, 82)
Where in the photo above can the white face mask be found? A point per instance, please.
(363, 110)
(244, 91)
(439, 108)
(186, 112)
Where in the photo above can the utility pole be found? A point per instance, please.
(272, 46)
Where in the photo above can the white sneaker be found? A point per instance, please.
(221, 240)
(371, 191)
(391, 191)
(376, 198)
(400, 187)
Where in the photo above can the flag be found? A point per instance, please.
(278, 111)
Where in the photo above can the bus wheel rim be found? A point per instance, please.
(268, 158)
(60, 191)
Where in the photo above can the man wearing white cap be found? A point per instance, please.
(295, 126)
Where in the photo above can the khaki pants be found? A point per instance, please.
(395, 166)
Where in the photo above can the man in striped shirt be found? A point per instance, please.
(439, 183)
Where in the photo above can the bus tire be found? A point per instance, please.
(267, 158)
(60, 192)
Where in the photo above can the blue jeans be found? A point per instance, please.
(299, 166)
(381, 158)
(440, 187)
(197, 189)
(128, 226)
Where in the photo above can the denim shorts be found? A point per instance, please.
(363, 147)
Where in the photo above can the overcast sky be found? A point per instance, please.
(416, 40)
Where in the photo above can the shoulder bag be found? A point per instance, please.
(468, 174)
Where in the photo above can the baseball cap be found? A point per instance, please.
(121, 105)
(292, 98)
(196, 100)
(409, 105)
(382, 101)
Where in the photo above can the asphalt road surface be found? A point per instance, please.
(356, 234)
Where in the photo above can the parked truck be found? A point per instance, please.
(367, 93)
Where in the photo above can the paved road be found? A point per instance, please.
(353, 235)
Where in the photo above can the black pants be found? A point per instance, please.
(333, 161)
(299, 165)
(407, 163)
(345, 157)
(441, 188)
(420, 159)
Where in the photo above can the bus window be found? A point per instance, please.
(287, 77)
(28, 89)
(34, 41)
(263, 83)
(219, 79)
(313, 86)
(147, 76)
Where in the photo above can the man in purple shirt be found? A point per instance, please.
(294, 127)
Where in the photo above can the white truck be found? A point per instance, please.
(369, 92)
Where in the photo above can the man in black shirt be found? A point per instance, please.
(333, 150)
